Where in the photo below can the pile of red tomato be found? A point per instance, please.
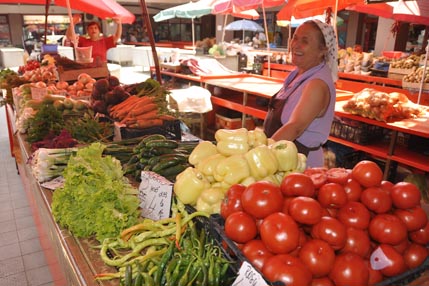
(29, 66)
(329, 227)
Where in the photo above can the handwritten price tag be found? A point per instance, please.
(155, 196)
(248, 276)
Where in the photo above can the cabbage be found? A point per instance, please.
(96, 198)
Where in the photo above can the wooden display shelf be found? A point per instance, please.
(379, 149)
(72, 75)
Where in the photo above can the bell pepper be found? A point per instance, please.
(210, 200)
(273, 179)
(286, 154)
(189, 185)
(230, 142)
(261, 161)
(203, 150)
(247, 181)
(208, 165)
(302, 163)
(256, 137)
(232, 169)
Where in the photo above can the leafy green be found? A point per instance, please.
(47, 121)
(96, 198)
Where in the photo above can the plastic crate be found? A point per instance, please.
(218, 225)
(407, 277)
(356, 131)
(170, 129)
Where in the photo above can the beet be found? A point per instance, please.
(113, 81)
(99, 106)
(102, 85)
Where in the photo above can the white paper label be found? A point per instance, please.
(155, 196)
(379, 260)
(249, 276)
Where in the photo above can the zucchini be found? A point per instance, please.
(161, 165)
(173, 170)
(167, 143)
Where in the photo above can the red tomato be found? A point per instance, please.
(354, 214)
(414, 218)
(318, 256)
(353, 190)
(357, 242)
(280, 233)
(262, 198)
(287, 269)
(286, 203)
(405, 195)
(330, 230)
(349, 269)
(387, 228)
(332, 195)
(367, 173)
(386, 259)
(305, 210)
(317, 175)
(240, 227)
(256, 252)
(232, 201)
(375, 276)
(415, 255)
(421, 236)
(376, 200)
(338, 175)
(402, 246)
(297, 184)
(323, 281)
(386, 185)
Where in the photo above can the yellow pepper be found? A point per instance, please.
(208, 165)
(203, 150)
(302, 163)
(273, 179)
(210, 200)
(247, 181)
(256, 137)
(189, 185)
(232, 169)
(261, 161)
(286, 154)
(230, 142)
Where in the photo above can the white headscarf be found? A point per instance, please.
(331, 43)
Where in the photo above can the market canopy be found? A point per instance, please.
(189, 10)
(101, 8)
(416, 12)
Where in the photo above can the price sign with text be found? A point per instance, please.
(248, 276)
(155, 194)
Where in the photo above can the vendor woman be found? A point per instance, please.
(303, 110)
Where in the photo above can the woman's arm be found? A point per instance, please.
(69, 32)
(313, 103)
(118, 32)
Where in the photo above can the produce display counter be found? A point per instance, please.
(77, 259)
(390, 150)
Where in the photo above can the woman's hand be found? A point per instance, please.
(77, 18)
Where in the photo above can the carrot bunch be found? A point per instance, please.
(139, 112)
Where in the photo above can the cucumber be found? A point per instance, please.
(166, 164)
(173, 171)
(167, 143)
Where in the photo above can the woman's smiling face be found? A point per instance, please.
(308, 47)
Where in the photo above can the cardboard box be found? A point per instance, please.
(223, 122)
(71, 75)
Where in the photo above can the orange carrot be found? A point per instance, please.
(167, 117)
(147, 123)
(121, 113)
(127, 101)
(141, 109)
(148, 115)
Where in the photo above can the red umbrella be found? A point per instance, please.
(416, 12)
(308, 8)
(100, 8)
